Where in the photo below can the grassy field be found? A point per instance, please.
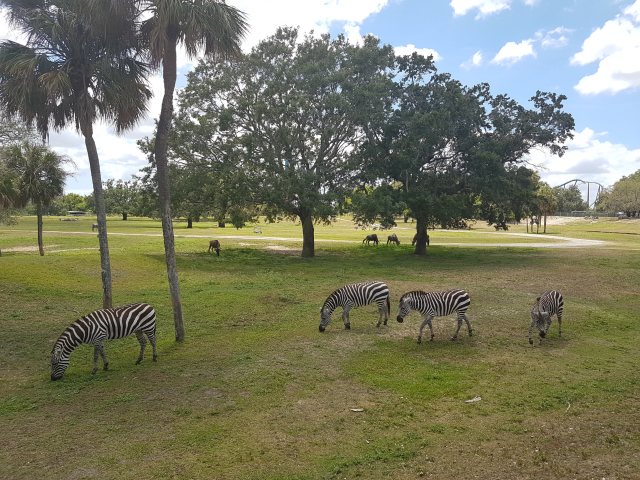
(256, 392)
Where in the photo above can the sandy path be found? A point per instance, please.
(555, 241)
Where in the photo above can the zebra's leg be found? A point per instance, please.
(96, 354)
(104, 358)
(559, 324)
(382, 310)
(345, 317)
(530, 327)
(143, 344)
(455, 335)
(152, 339)
(427, 321)
(466, 319)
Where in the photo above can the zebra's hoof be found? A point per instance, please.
(155, 359)
(138, 362)
(530, 342)
(419, 341)
(471, 334)
(378, 326)
(431, 340)
(105, 368)
(347, 326)
(385, 322)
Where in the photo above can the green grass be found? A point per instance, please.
(256, 392)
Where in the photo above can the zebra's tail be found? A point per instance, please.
(388, 305)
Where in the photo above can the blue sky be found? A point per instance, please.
(588, 50)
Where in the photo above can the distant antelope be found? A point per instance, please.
(214, 245)
(371, 238)
(415, 239)
(94, 227)
(393, 238)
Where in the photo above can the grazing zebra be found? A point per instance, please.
(356, 295)
(393, 238)
(371, 238)
(436, 304)
(138, 318)
(214, 245)
(548, 304)
(94, 227)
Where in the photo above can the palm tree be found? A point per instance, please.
(40, 177)
(72, 72)
(193, 24)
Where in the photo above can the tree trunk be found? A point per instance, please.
(221, 224)
(189, 223)
(545, 223)
(101, 213)
(421, 241)
(169, 74)
(538, 224)
(308, 246)
(39, 213)
(124, 215)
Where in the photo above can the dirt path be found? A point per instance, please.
(555, 241)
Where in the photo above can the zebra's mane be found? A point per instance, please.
(64, 332)
(414, 291)
(331, 295)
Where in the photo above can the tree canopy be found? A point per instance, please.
(622, 196)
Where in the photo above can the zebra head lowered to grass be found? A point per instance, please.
(548, 304)
(356, 295)
(101, 325)
(436, 304)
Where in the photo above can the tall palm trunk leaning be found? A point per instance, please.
(218, 28)
(80, 63)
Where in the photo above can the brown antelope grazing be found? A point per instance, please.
(371, 238)
(415, 239)
(393, 238)
(94, 227)
(214, 245)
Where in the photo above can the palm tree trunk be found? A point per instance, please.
(101, 213)
(39, 213)
(308, 240)
(421, 241)
(169, 74)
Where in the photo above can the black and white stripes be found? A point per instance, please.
(138, 318)
(356, 295)
(436, 304)
(548, 304)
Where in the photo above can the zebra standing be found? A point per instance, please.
(138, 318)
(436, 304)
(548, 304)
(356, 295)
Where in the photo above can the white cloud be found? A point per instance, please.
(616, 46)
(555, 38)
(514, 52)
(484, 7)
(474, 61)
(425, 52)
(588, 158)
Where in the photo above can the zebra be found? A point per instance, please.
(138, 318)
(436, 304)
(371, 238)
(548, 304)
(356, 295)
(393, 238)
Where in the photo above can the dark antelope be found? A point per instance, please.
(393, 238)
(214, 245)
(371, 238)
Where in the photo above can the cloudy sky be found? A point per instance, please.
(588, 50)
